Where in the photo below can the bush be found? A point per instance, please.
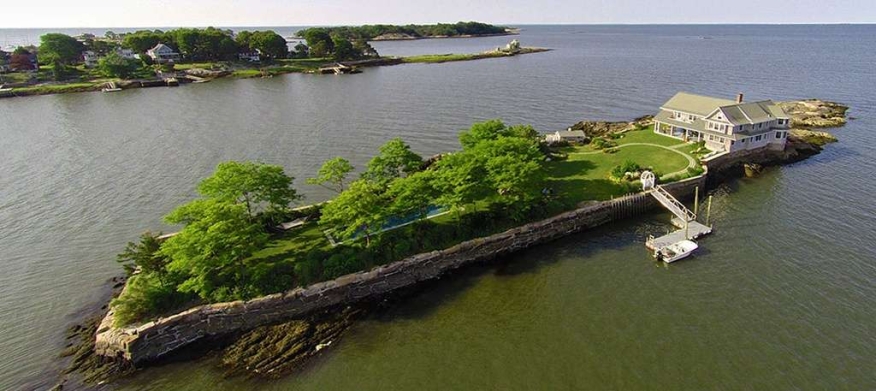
(628, 166)
(145, 296)
(695, 171)
(602, 143)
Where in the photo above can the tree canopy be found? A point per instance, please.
(394, 161)
(114, 65)
(269, 43)
(256, 186)
(209, 251)
(369, 32)
(60, 47)
(333, 174)
(359, 209)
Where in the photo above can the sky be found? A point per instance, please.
(199, 13)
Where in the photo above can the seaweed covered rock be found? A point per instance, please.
(274, 351)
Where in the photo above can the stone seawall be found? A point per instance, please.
(155, 339)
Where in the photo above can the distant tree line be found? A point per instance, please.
(369, 32)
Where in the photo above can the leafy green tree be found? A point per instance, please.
(59, 70)
(343, 50)
(319, 41)
(394, 161)
(482, 131)
(144, 295)
(251, 185)
(332, 174)
(360, 209)
(141, 41)
(364, 49)
(271, 44)
(60, 47)
(414, 194)
(145, 256)
(114, 65)
(301, 51)
(459, 178)
(21, 51)
(210, 250)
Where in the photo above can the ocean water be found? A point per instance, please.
(782, 296)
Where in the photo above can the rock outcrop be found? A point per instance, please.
(600, 128)
(815, 113)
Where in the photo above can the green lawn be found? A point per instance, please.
(584, 175)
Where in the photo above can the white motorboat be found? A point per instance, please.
(111, 89)
(675, 251)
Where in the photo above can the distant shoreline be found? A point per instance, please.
(187, 73)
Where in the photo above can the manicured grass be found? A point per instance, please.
(295, 242)
(584, 175)
(647, 135)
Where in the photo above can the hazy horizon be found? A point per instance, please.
(199, 13)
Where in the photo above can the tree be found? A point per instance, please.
(333, 174)
(210, 250)
(358, 210)
(269, 43)
(59, 70)
(459, 177)
(21, 62)
(251, 185)
(415, 194)
(145, 256)
(301, 51)
(343, 49)
(364, 49)
(319, 41)
(60, 47)
(114, 65)
(141, 41)
(482, 131)
(394, 161)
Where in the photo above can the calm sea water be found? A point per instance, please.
(783, 296)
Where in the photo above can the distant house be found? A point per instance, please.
(724, 125)
(90, 58)
(569, 136)
(127, 54)
(253, 56)
(162, 53)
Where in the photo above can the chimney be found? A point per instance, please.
(739, 98)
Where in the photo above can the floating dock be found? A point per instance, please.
(685, 219)
(694, 230)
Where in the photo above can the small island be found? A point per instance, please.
(156, 58)
(275, 284)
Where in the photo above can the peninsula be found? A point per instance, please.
(115, 62)
(246, 262)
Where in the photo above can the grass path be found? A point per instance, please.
(691, 162)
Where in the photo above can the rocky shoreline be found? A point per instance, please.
(277, 350)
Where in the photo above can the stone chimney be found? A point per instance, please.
(739, 98)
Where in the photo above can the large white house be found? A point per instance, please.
(162, 53)
(724, 125)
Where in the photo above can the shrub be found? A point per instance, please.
(602, 143)
(694, 171)
(145, 296)
(628, 166)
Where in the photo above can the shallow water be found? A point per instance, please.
(782, 296)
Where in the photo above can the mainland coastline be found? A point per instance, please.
(297, 339)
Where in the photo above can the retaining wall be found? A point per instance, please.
(155, 339)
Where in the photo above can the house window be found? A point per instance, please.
(732, 142)
(757, 138)
(779, 135)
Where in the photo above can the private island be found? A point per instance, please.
(116, 62)
(268, 285)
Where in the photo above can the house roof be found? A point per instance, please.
(572, 133)
(736, 113)
(695, 104)
(161, 48)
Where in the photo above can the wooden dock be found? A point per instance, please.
(695, 230)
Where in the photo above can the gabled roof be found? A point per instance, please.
(161, 48)
(735, 113)
(753, 112)
(695, 104)
(571, 133)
